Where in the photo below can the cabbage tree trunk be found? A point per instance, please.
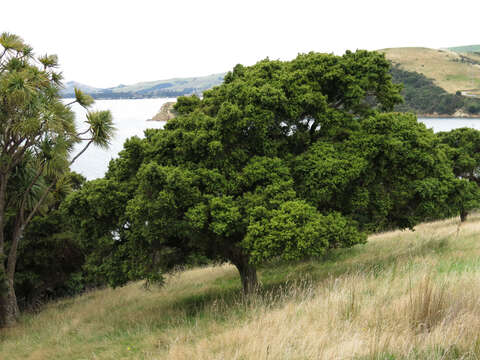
(9, 311)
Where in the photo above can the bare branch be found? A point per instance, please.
(71, 103)
(81, 152)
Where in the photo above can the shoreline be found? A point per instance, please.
(432, 116)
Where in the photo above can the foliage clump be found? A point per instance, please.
(463, 150)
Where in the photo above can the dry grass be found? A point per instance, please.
(442, 66)
(404, 295)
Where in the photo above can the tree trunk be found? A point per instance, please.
(248, 275)
(9, 310)
(3, 193)
(3, 295)
(463, 215)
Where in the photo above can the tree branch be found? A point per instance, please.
(22, 223)
(81, 152)
(29, 188)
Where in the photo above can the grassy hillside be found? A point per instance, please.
(403, 295)
(449, 70)
(423, 97)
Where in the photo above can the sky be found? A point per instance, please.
(105, 43)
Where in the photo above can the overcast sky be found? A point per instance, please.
(104, 43)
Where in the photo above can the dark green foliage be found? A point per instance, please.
(51, 260)
(284, 160)
(51, 255)
(464, 152)
(473, 106)
(186, 104)
(387, 175)
(96, 212)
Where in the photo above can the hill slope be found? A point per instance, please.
(449, 70)
(403, 295)
(424, 98)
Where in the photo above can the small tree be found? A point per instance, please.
(37, 135)
(464, 152)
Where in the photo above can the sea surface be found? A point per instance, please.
(447, 124)
(130, 117)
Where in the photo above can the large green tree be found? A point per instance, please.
(37, 137)
(284, 160)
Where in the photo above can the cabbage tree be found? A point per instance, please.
(37, 138)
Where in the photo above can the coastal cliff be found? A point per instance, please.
(165, 113)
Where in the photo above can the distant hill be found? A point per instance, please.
(151, 89)
(465, 49)
(71, 85)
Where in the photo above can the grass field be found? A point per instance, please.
(449, 70)
(403, 295)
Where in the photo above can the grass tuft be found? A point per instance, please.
(428, 305)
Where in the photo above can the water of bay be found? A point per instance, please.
(447, 124)
(131, 115)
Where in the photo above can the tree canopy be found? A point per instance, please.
(284, 160)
